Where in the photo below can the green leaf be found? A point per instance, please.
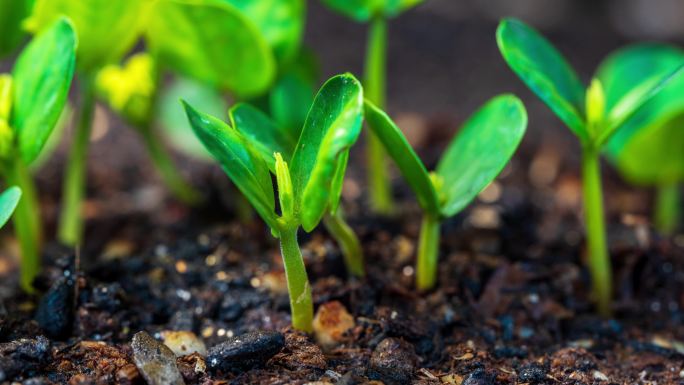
(292, 94)
(42, 77)
(173, 120)
(12, 14)
(281, 22)
(364, 10)
(331, 128)
(264, 134)
(545, 71)
(212, 42)
(8, 202)
(106, 29)
(479, 152)
(239, 160)
(631, 77)
(399, 149)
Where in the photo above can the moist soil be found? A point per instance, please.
(512, 305)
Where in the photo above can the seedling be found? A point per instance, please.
(214, 42)
(31, 100)
(308, 188)
(377, 14)
(593, 115)
(475, 156)
(647, 149)
(8, 202)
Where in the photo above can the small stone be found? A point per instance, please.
(183, 343)
(55, 313)
(599, 376)
(245, 351)
(393, 362)
(22, 355)
(480, 377)
(331, 322)
(533, 373)
(156, 361)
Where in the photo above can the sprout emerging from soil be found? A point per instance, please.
(479, 152)
(593, 115)
(647, 150)
(309, 175)
(32, 98)
(376, 13)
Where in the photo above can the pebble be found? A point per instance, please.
(332, 320)
(22, 355)
(393, 362)
(55, 313)
(183, 343)
(245, 351)
(156, 361)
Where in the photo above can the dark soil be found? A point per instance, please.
(512, 306)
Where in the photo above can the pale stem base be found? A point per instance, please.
(428, 253)
(301, 304)
(667, 208)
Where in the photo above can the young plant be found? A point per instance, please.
(376, 13)
(647, 149)
(475, 156)
(31, 100)
(308, 187)
(8, 202)
(589, 113)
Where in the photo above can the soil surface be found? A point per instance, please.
(166, 294)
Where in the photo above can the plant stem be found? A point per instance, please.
(667, 210)
(27, 222)
(599, 260)
(301, 304)
(73, 189)
(348, 242)
(374, 88)
(166, 168)
(428, 253)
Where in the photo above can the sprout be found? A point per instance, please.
(484, 145)
(375, 12)
(647, 149)
(8, 202)
(309, 184)
(32, 98)
(593, 115)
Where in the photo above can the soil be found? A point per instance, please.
(512, 305)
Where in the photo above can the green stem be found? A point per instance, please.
(667, 210)
(599, 260)
(428, 253)
(301, 304)
(348, 241)
(166, 168)
(73, 189)
(374, 89)
(27, 222)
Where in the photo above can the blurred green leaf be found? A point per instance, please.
(239, 160)
(173, 119)
(364, 10)
(480, 150)
(264, 134)
(106, 29)
(281, 22)
(412, 168)
(213, 42)
(12, 14)
(42, 77)
(545, 71)
(331, 128)
(8, 202)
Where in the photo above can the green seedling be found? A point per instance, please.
(647, 149)
(309, 186)
(593, 114)
(32, 98)
(474, 158)
(216, 42)
(8, 202)
(376, 13)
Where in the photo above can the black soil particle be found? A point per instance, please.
(246, 351)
